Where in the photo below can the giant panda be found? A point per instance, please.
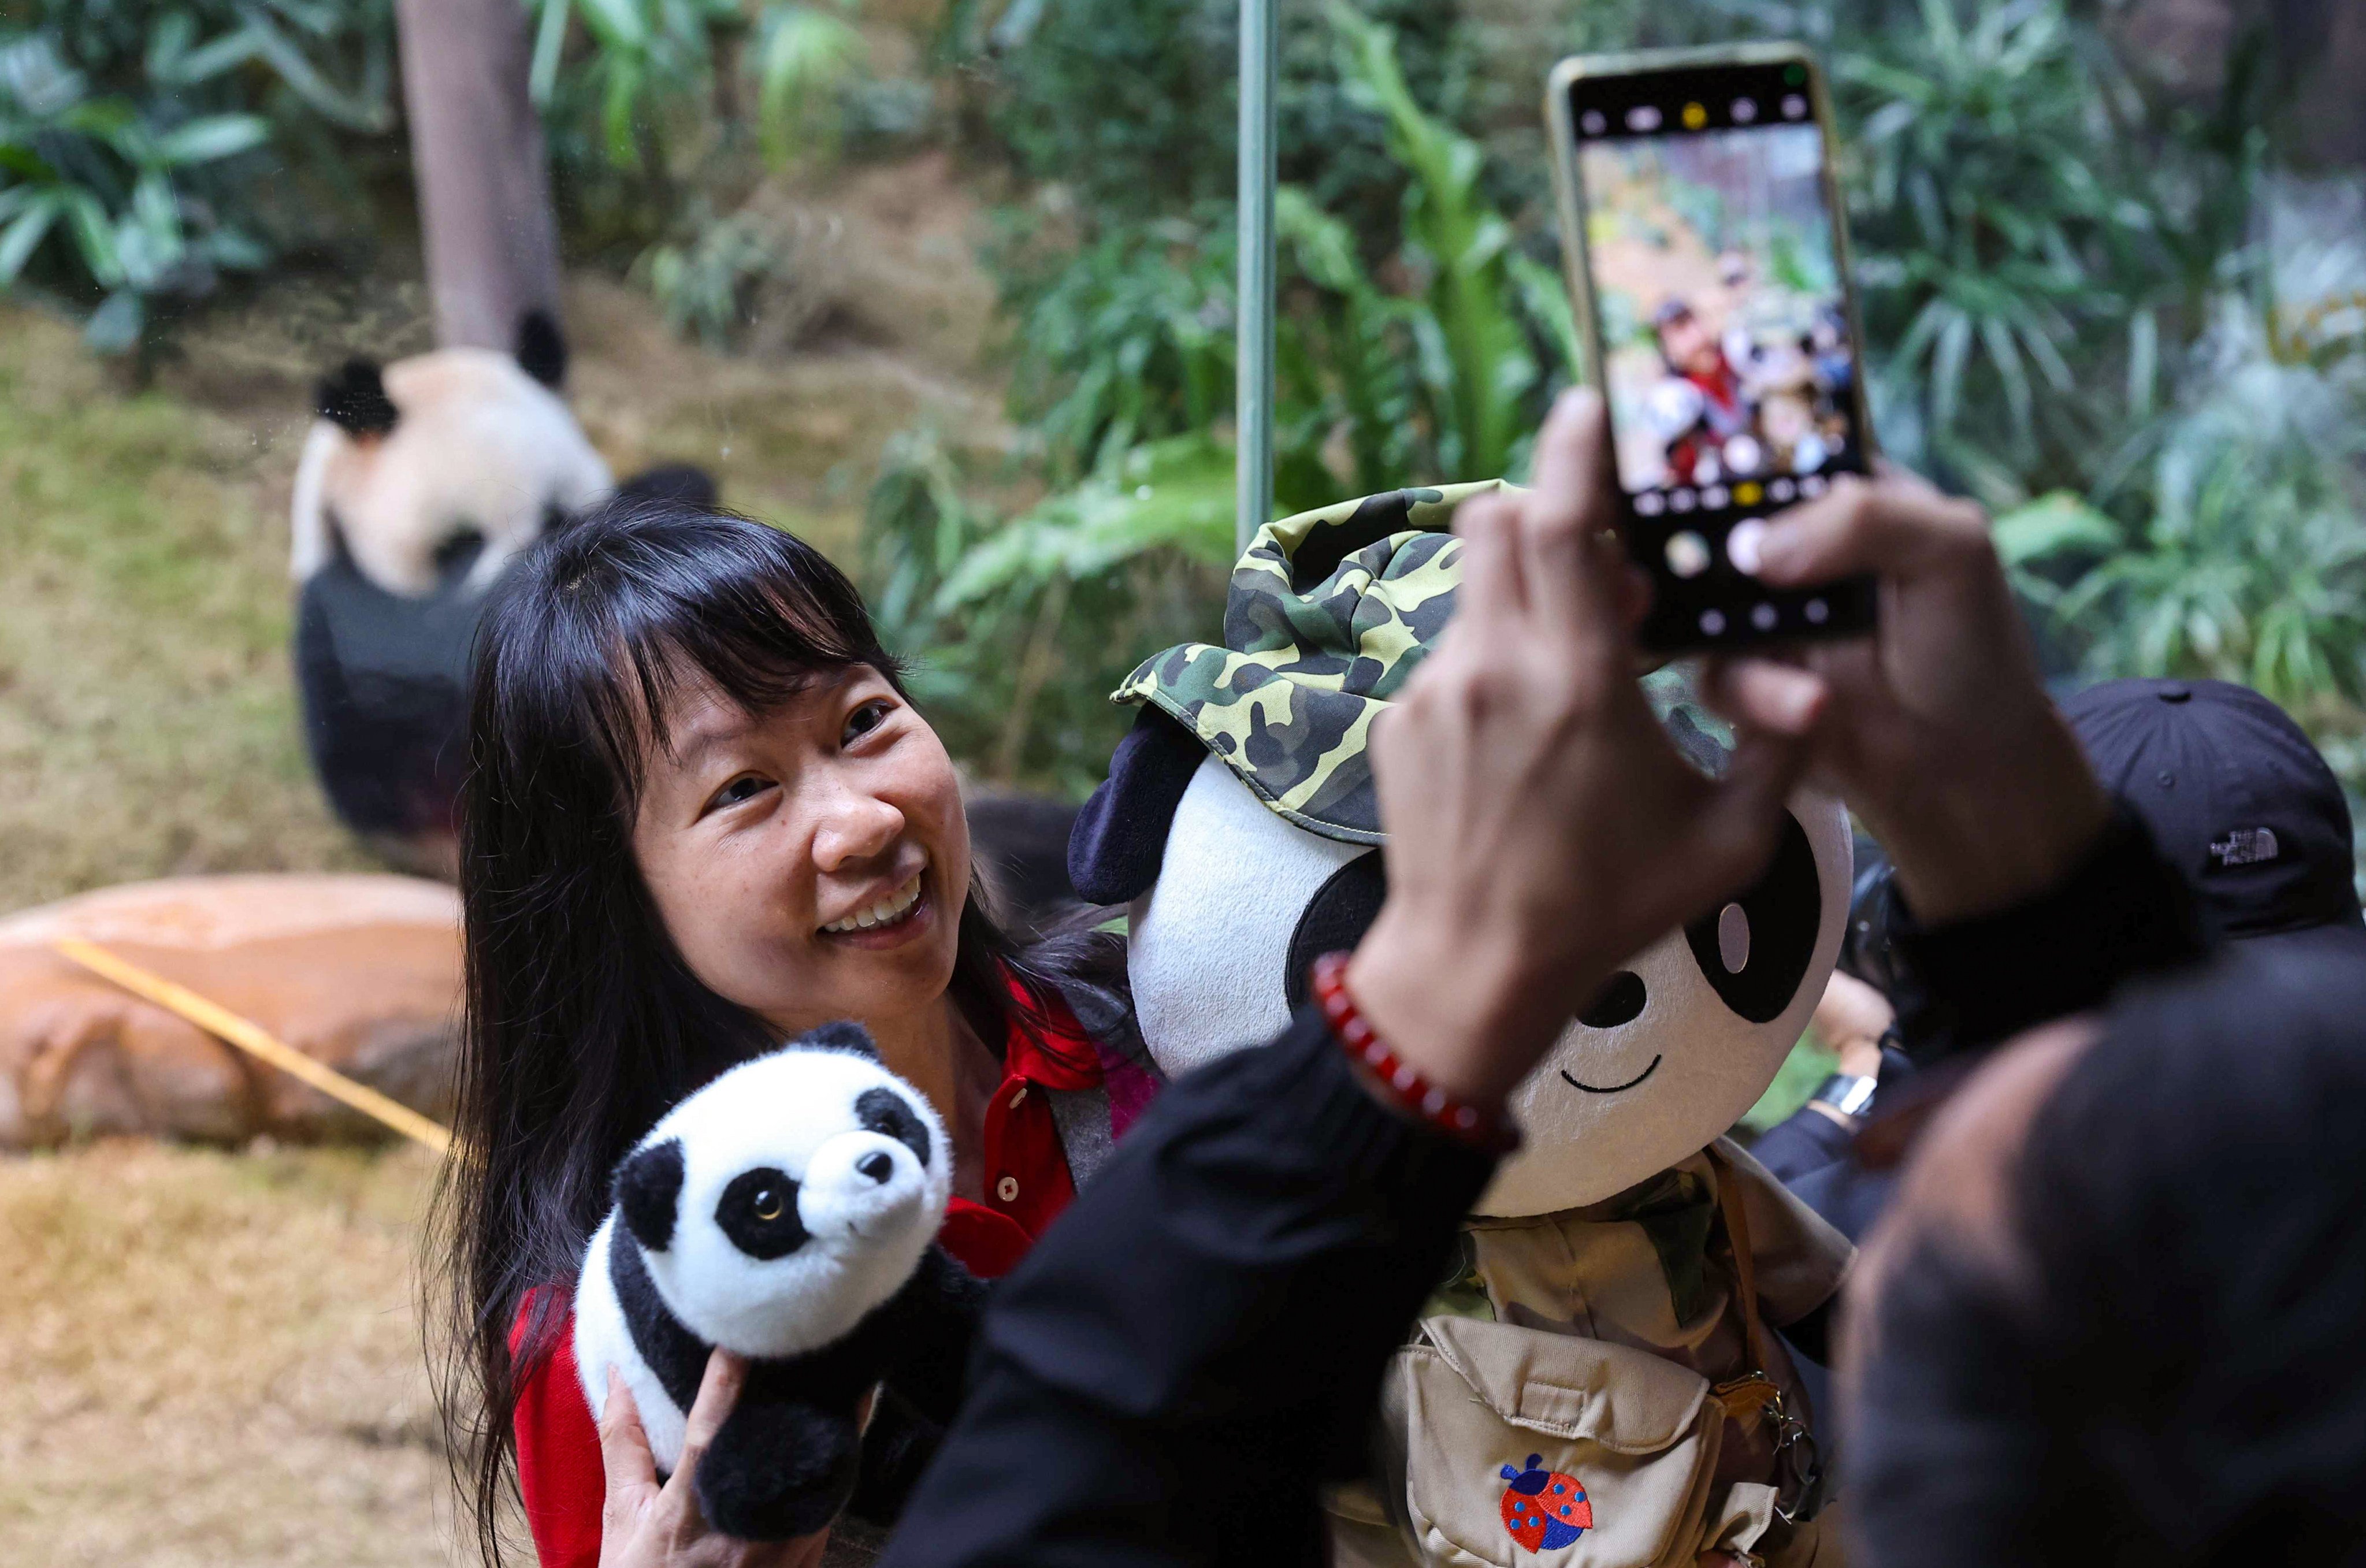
(417, 484)
(788, 1212)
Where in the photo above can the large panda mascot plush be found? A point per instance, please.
(418, 482)
(788, 1212)
(1601, 1379)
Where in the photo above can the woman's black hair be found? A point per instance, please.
(583, 1025)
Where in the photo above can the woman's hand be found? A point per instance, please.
(1939, 733)
(1541, 828)
(644, 1524)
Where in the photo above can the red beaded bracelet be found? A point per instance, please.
(1456, 1118)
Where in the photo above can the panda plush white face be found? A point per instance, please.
(1680, 1044)
(439, 468)
(787, 1199)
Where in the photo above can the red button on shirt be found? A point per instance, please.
(560, 1469)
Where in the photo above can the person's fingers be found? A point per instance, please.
(1490, 567)
(1633, 591)
(1885, 528)
(1781, 699)
(1570, 577)
(1571, 474)
(718, 1391)
(626, 1457)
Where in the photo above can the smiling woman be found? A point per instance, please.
(703, 816)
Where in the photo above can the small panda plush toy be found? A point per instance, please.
(788, 1212)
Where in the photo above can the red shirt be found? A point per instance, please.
(1027, 1185)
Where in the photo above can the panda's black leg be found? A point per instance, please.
(778, 1468)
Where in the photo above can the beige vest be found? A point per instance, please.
(1567, 1376)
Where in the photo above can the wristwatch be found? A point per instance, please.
(1847, 1093)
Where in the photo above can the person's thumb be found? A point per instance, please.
(630, 1465)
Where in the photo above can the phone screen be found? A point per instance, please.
(1727, 343)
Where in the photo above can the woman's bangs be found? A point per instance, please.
(737, 611)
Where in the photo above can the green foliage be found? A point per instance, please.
(644, 69)
(1017, 631)
(2240, 555)
(133, 139)
(1125, 371)
(1132, 104)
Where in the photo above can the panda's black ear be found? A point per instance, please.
(541, 351)
(353, 398)
(648, 1191)
(844, 1035)
(1119, 839)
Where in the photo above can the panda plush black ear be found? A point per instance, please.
(648, 1191)
(353, 398)
(541, 351)
(1119, 839)
(843, 1035)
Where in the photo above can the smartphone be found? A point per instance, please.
(1702, 232)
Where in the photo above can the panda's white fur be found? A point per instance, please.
(793, 1110)
(1209, 943)
(478, 444)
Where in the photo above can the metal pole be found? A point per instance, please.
(1253, 392)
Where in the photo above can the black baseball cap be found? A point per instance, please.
(2236, 796)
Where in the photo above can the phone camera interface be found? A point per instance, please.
(1726, 348)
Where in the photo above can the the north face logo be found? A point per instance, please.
(1544, 1508)
(2245, 846)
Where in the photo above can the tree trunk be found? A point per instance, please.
(477, 155)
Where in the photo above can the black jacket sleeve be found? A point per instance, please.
(1198, 1343)
(2120, 912)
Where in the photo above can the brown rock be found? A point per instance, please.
(360, 973)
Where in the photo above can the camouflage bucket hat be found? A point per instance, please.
(1328, 614)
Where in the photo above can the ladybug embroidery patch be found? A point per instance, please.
(1544, 1508)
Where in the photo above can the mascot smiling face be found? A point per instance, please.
(1240, 827)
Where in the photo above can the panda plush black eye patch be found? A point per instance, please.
(1754, 949)
(1333, 920)
(759, 1212)
(883, 1111)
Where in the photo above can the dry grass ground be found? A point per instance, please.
(213, 1359)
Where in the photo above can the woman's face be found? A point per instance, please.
(811, 862)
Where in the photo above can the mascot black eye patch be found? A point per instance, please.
(1755, 948)
(1333, 920)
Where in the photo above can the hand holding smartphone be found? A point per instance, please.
(1702, 234)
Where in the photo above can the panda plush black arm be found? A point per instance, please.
(929, 1330)
(790, 1456)
(924, 1336)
